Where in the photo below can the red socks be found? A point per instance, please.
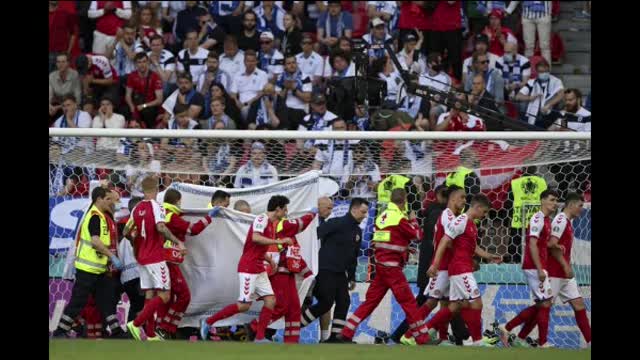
(146, 315)
(542, 318)
(473, 319)
(263, 322)
(583, 324)
(443, 332)
(226, 312)
(441, 317)
(527, 328)
(522, 317)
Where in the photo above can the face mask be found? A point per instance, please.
(508, 57)
(543, 76)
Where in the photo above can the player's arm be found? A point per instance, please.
(556, 249)
(164, 230)
(94, 232)
(536, 224)
(129, 230)
(557, 254)
(195, 228)
(535, 254)
(487, 255)
(437, 257)
(410, 228)
(263, 240)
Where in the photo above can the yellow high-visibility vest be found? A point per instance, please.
(390, 217)
(526, 191)
(386, 186)
(89, 259)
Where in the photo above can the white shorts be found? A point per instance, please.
(463, 287)
(541, 290)
(155, 276)
(565, 289)
(101, 42)
(438, 287)
(254, 286)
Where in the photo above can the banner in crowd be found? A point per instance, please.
(210, 267)
(501, 303)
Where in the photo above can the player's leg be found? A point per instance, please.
(377, 289)
(443, 330)
(543, 298)
(136, 298)
(292, 316)
(457, 293)
(343, 301)
(279, 286)
(325, 322)
(155, 280)
(569, 293)
(247, 288)
(404, 297)
(437, 288)
(82, 287)
(180, 299)
(263, 290)
(325, 292)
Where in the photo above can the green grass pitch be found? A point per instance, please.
(184, 350)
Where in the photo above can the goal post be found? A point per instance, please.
(353, 164)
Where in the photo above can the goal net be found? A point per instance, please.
(352, 164)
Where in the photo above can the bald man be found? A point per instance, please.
(242, 206)
(325, 206)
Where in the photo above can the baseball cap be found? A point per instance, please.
(318, 99)
(481, 38)
(410, 37)
(82, 64)
(377, 22)
(266, 35)
(497, 13)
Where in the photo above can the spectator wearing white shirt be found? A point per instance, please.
(193, 58)
(294, 86)
(232, 60)
(107, 119)
(163, 62)
(183, 151)
(270, 17)
(481, 46)
(437, 79)
(219, 161)
(257, 171)
(72, 118)
(362, 178)
(341, 65)
(334, 156)
(542, 94)
(141, 165)
(573, 116)
(515, 68)
(247, 87)
(319, 119)
(420, 156)
(270, 59)
(344, 44)
(309, 62)
(410, 57)
(385, 70)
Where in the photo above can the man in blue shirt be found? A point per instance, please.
(333, 24)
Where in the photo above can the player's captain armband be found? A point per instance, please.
(382, 236)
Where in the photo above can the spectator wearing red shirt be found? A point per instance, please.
(99, 78)
(498, 34)
(110, 16)
(63, 31)
(456, 120)
(412, 17)
(446, 33)
(144, 91)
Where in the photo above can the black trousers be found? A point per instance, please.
(331, 287)
(103, 288)
(458, 326)
(136, 297)
(452, 42)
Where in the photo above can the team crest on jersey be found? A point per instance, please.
(556, 228)
(293, 221)
(549, 291)
(529, 186)
(476, 292)
(436, 293)
(357, 237)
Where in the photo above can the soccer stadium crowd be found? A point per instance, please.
(286, 65)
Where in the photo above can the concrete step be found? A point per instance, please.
(577, 58)
(582, 82)
(570, 25)
(577, 46)
(571, 69)
(576, 36)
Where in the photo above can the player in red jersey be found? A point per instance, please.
(254, 281)
(438, 287)
(148, 246)
(169, 315)
(464, 295)
(534, 267)
(563, 283)
(283, 282)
